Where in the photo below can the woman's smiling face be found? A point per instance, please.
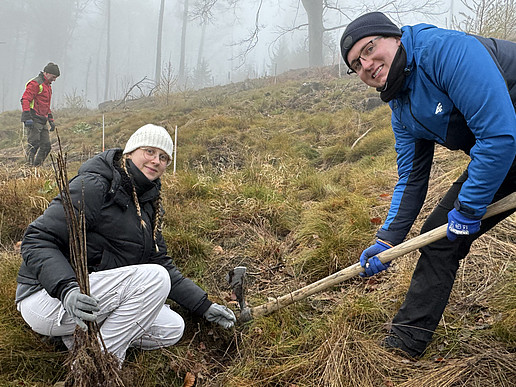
(151, 167)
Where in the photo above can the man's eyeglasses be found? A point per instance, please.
(366, 52)
(151, 153)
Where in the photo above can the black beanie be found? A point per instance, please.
(52, 68)
(370, 24)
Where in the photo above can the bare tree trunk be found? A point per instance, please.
(314, 10)
(97, 72)
(181, 74)
(201, 46)
(157, 73)
(87, 78)
(108, 49)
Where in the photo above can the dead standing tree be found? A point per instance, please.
(90, 363)
(322, 17)
(138, 85)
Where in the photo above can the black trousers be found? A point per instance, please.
(38, 143)
(437, 266)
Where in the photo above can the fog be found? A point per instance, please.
(103, 47)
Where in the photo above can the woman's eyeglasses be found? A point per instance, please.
(366, 52)
(151, 153)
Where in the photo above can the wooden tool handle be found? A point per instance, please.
(505, 204)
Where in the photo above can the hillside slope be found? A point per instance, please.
(290, 177)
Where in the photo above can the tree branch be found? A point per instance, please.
(252, 40)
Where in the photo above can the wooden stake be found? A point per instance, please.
(175, 149)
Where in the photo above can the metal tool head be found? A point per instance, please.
(237, 280)
(236, 276)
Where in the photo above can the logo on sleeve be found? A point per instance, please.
(439, 108)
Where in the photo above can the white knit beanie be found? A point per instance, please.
(153, 136)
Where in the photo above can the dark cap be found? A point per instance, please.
(370, 24)
(52, 68)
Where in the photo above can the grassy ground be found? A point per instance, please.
(270, 175)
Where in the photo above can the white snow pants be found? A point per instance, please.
(132, 310)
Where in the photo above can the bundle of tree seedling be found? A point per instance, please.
(90, 364)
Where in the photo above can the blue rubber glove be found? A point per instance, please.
(370, 262)
(459, 224)
(221, 315)
(81, 307)
(29, 123)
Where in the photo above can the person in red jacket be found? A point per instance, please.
(36, 112)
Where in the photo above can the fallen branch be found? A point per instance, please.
(137, 84)
(360, 138)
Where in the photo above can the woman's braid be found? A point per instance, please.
(157, 205)
(135, 196)
(158, 218)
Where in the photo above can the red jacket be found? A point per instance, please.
(37, 96)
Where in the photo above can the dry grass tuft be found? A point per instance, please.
(490, 368)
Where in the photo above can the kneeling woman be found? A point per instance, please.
(131, 275)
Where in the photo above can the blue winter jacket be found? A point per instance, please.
(459, 92)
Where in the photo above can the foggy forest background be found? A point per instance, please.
(108, 48)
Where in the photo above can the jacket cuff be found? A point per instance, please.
(467, 211)
(384, 242)
(391, 237)
(61, 293)
(203, 308)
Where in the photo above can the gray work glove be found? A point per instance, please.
(81, 307)
(221, 315)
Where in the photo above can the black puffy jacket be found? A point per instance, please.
(115, 236)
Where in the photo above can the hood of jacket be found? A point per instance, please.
(408, 39)
(104, 165)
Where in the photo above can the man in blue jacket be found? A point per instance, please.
(457, 90)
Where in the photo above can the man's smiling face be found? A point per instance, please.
(375, 67)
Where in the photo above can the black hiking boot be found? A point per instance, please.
(393, 342)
